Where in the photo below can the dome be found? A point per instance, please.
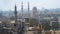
(34, 8)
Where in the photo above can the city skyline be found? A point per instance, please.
(48, 4)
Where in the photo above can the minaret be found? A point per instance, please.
(28, 7)
(22, 8)
(29, 13)
(15, 15)
(22, 12)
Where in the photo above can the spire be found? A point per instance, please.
(28, 6)
(22, 11)
(28, 10)
(15, 11)
(29, 13)
(22, 8)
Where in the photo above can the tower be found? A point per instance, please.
(22, 8)
(28, 12)
(15, 16)
(23, 20)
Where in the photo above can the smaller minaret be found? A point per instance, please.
(15, 15)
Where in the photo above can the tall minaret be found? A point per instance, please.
(28, 8)
(15, 12)
(22, 12)
(28, 12)
(22, 8)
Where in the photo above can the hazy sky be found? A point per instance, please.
(9, 4)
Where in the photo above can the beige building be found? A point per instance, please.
(59, 20)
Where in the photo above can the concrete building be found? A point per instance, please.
(35, 13)
(59, 20)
